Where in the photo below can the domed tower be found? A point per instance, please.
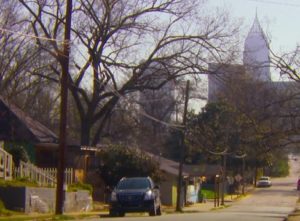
(256, 53)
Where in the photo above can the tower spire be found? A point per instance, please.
(256, 27)
(256, 52)
(256, 14)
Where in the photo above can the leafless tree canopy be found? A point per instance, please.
(114, 42)
(16, 55)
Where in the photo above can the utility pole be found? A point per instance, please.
(243, 175)
(223, 179)
(182, 146)
(64, 62)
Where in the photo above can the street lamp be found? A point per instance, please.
(217, 191)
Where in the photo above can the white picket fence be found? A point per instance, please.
(42, 176)
(6, 165)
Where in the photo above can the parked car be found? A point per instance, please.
(264, 181)
(135, 194)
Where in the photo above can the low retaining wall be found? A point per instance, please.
(42, 200)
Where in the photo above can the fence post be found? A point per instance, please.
(4, 166)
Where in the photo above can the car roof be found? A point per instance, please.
(135, 183)
(136, 178)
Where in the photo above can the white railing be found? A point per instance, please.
(6, 168)
(43, 176)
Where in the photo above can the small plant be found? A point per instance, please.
(62, 217)
(4, 211)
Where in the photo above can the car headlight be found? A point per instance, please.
(149, 195)
(113, 196)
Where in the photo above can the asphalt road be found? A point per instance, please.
(264, 204)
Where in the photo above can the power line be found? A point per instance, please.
(30, 36)
(132, 101)
(276, 3)
(114, 91)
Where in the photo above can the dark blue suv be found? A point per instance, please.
(135, 194)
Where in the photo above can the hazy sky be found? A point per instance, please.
(279, 18)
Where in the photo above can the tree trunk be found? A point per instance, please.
(255, 173)
(224, 179)
(85, 132)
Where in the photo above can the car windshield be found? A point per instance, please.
(264, 178)
(133, 183)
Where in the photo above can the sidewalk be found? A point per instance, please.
(102, 211)
(200, 207)
(197, 207)
(205, 207)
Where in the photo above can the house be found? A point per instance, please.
(168, 186)
(192, 177)
(17, 128)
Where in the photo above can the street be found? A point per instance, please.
(263, 204)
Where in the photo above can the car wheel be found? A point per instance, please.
(152, 211)
(115, 213)
(158, 212)
(121, 214)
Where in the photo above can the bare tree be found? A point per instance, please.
(16, 52)
(269, 112)
(115, 43)
(288, 65)
(18, 57)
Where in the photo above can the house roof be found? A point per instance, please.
(25, 128)
(167, 165)
(170, 166)
(203, 169)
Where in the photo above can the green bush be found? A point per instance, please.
(280, 168)
(80, 186)
(117, 161)
(207, 194)
(18, 151)
(19, 182)
(3, 210)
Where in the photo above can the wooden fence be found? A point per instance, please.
(43, 176)
(6, 165)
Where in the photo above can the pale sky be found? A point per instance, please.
(280, 19)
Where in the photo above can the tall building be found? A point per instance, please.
(156, 107)
(256, 64)
(256, 53)
(250, 84)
